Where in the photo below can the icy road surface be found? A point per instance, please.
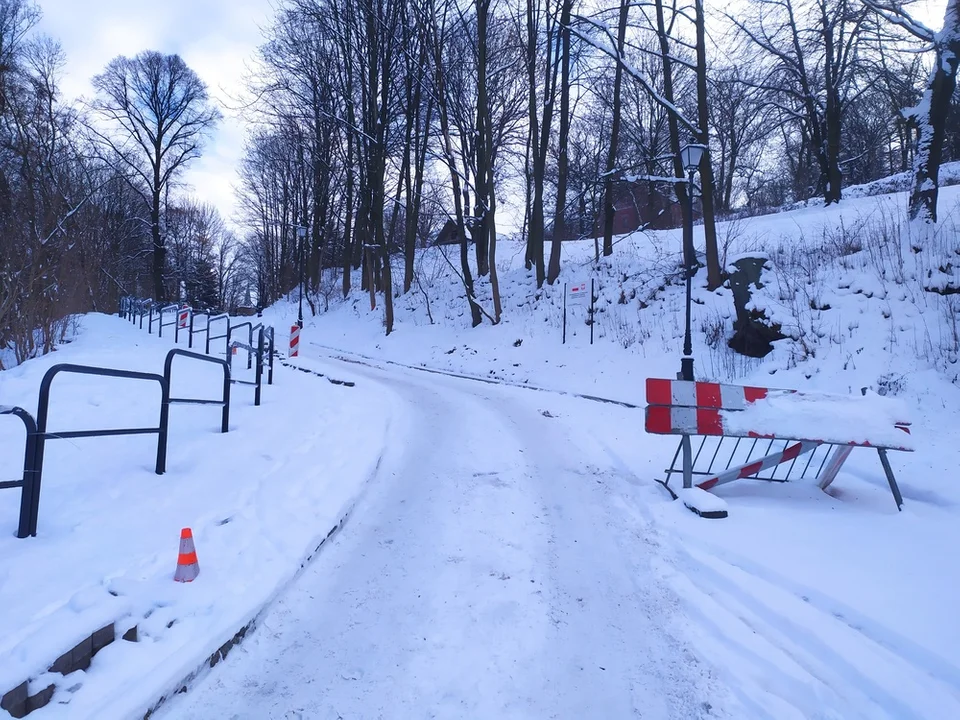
(496, 568)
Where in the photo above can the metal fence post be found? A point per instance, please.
(164, 424)
(29, 490)
(271, 348)
(190, 341)
(687, 462)
(259, 379)
(225, 418)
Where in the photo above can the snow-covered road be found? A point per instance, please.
(496, 568)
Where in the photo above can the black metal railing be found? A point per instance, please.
(43, 411)
(29, 482)
(254, 352)
(210, 321)
(271, 352)
(224, 401)
(194, 329)
(174, 322)
(231, 331)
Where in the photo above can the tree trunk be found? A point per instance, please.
(706, 164)
(159, 251)
(673, 123)
(931, 125)
(608, 208)
(563, 162)
(441, 96)
(535, 230)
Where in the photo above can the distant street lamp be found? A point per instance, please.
(690, 156)
(301, 234)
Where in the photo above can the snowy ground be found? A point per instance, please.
(802, 603)
(258, 499)
(511, 556)
(501, 566)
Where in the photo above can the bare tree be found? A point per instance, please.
(157, 114)
(931, 113)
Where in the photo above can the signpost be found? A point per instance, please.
(579, 294)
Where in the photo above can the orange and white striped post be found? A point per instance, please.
(184, 316)
(294, 341)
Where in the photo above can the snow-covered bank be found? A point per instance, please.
(807, 604)
(259, 500)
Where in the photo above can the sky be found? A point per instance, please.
(217, 38)
(214, 37)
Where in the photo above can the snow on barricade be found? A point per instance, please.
(702, 502)
(842, 419)
(259, 499)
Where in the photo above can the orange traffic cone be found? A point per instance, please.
(187, 567)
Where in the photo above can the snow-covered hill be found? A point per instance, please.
(810, 604)
(801, 604)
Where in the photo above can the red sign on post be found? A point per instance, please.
(578, 294)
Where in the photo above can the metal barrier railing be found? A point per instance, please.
(271, 352)
(257, 351)
(184, 322)
(30, 480)
(44, 404)
(176, 319)
(210, 321)
(224, 401)
(249, 344)
(194, 330)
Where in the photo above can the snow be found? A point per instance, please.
(801, 603)
(257, 499)
(842, 419)
(701, 500)
(504, 579)
(508, 552)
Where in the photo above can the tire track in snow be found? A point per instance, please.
(484, 575)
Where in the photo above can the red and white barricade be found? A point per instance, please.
(764, 434)
(183, 317)
(294, 341)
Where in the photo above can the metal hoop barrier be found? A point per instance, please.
(30, 481)
(184, 322)
(249, 344)
(271, 351)
(194, 330)
(210, 321)
(168, 308)
(224, 401)
(257, 351)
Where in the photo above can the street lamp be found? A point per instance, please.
(301, 234)
(690, 157)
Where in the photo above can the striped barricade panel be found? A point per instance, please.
(713, 410)
(678, 407)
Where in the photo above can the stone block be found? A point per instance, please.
(35, 702)
(15, 701)
(82, 654)
(103, 637)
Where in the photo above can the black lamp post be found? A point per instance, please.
(301, 234)
(690, 156)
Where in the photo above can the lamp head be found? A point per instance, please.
(690, 156)
(301, 232)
